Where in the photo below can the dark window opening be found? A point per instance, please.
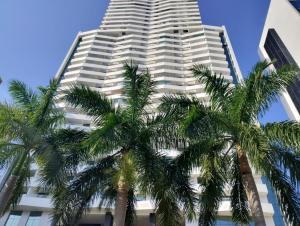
(228, 59)
(296, 4)
(277, 51)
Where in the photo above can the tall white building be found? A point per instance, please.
(280, 42)
(168, 38)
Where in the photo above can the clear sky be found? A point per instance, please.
(35, 35)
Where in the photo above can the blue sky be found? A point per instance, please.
(35, 35)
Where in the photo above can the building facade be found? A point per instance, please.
(168, 38)
(280, 42)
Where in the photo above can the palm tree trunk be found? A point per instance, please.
(251, 191)
(7, 192)
(121, 205)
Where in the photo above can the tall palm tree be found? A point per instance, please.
(120, 158)
(24, 127)
(226, 140)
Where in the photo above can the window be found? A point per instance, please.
(34, 218)
(227, 221)
(296, 4)
(14, 218)
(228, 58)
(277, 51)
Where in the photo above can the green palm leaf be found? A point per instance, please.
(216, 85)
(130, 211)
(90, 101)
(24, 128)
(284, 190)
(286, 132)
(23, 95)
(264, 86)
(138, 87)
(239, 201)
(289, 159)
(212, 180)
(70, 202)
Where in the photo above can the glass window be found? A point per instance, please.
(226, 221)
(277, 51)
(14, 218)
(296, 4)
(34, 218)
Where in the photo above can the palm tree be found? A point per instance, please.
(226, 140)
(24, 127)
(120, 159)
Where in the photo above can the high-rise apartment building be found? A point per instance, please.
(280, 42)
(168, 38)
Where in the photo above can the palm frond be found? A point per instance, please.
(150, 165)
(179, 181)
(254, 142)
(216, 86)
(130, 210)
(204, 122)
(72, 201)
(108, 195)
(286, 132)
(264, 86)
(23, 95)
(52, 170)
(168, 211)
(212, 181)
(63, 154)
(91, 102)
(69, 212)
(21, 171)
(9, 152)
(54, 120)
(195, 153)
(177, 106)
(285, 191)
(23, 175)
(106, 138)
(162, 131)
(10, 120)
(239, 201)
(235, 103)
(46, 103)
(289, 160)
(169, 187)
(138, 87)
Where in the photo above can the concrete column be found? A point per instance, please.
(31, 191)
(152, 219)
(24, 218)
(109, 219)
(192, 223)
(4, 218)
(45, 219)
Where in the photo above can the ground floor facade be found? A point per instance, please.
(35, 207)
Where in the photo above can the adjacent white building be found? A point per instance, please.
(165, 36)
(280, 42)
